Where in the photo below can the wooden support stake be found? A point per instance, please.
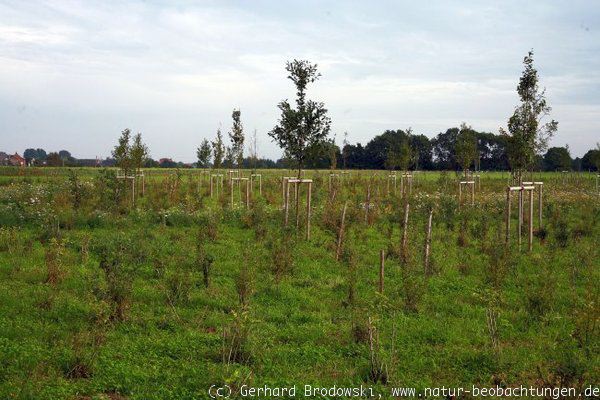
(540, 205)
(368, 203)
(530, 220)
(248, 194)
(520, 224)
(428, 242)
(405, 231)
(381, 269)
(308, 198)
(507, 216)
(231, 189)
(338, 249)
(286, 204)
(297, 199)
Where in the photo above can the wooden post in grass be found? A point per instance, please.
(428, 241)
(393, 177)
(218, 178)
(540, 208)
(405, 231)
(404, 187)
(368, 203)
(507, 239)
(286, 200)
(520, 189)
(540, 187)
(466, 183)
(239, 182)
(252, 179)
(530, 220)
(338, 248)
(297, 202)
(296, 182)
(248, 194)
(381, 269)
(308, 199)
(122, 175)
(520, 223)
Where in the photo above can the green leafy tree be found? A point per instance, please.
(406, 155)
(54, 160)
(333, 150)
(138, 153)
(218, 150)
(399, 153)
(465, 147)
(307, 124)
(391, 159)
(121, 152)
(557, 158)
(203, 153)
(236, 135)
(527, 135)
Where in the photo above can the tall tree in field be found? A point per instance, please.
(345, 145)
(236, 135)
(527, 135)
(138, 153)
(465, 147)
(307, 124)
(203, 153)
(121, 152)
(218, 150)
(405, 153)
(332, 154)
(558, 159)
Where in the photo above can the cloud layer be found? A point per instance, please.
(73, 74)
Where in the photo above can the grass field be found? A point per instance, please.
(100, 299)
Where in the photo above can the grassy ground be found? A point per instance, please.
(99, 300)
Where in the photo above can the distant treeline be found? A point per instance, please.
(438, 153)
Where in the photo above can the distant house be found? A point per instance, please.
(167, 163)
(3, 158)
(16, 160)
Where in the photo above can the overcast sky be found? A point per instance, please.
(74, 74)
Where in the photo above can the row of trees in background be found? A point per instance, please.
(303, 129)
(446, 151)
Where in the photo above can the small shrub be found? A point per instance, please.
(378, 369)
(53, 260)
(179, 286)
(282, 258)
(244, 282)
(204, 262)
(235, 338)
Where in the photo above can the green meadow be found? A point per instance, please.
(102, 297)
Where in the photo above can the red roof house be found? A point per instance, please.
(16, 160)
